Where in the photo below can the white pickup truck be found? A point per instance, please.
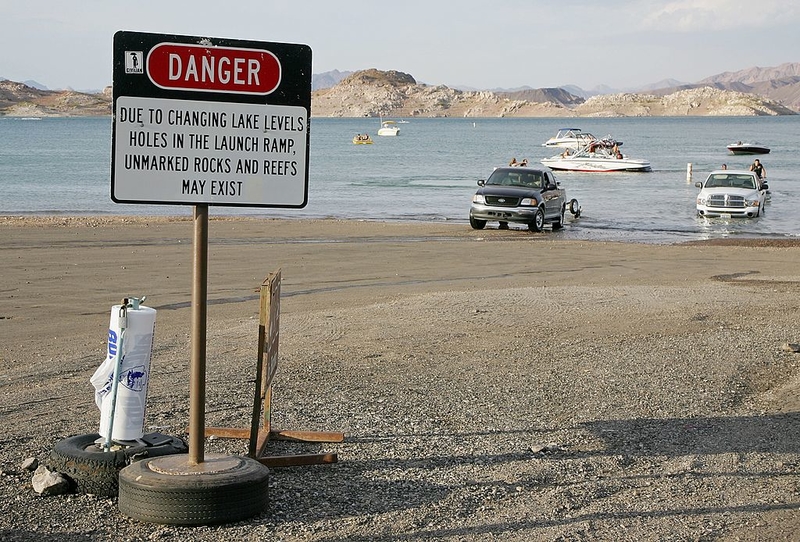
(730, 192)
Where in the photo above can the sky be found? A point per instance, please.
(466, 43)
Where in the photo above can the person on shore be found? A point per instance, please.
(758, 168)
(724, 166)
(524, 162)
(513, 162)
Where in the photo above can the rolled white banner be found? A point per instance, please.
(134, 374)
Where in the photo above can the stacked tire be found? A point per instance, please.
(149, 492)
(92, 469)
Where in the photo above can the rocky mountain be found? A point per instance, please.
(374, 93)
(700, 101)
(755, 75)
(542, 95)
(783, 91)
(781, 83)
(20, 100)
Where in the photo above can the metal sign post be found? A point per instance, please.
(197, 369)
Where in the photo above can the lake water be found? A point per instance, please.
(429, 172)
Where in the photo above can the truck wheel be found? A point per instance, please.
(477, 224)
(538, 221)
(559, 222)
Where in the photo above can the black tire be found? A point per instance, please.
(559, 222)
(574, 208)
(91, 469)
(152, 494)
(538, 221)
(477, 224)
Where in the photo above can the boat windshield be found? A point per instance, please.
(504, 177)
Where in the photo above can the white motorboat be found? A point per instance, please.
(748, 148)
(574, 138)
(388, 128)
(595, 157)
(571, 138)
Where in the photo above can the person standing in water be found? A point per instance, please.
(758, 168)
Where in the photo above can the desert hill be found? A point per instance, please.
(752, 76)
(374, 93)
(20, 100)
(781, 83)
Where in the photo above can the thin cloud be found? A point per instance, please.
(715, 15)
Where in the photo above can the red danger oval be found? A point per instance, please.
(213, 69)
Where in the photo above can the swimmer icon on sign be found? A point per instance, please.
(133, 62)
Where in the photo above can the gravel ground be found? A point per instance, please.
(572, 392)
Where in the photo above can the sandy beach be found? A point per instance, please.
(492, 385)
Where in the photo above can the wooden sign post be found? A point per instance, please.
(261, 430)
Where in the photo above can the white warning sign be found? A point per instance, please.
(218, 153)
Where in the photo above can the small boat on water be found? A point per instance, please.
(747, 148)
(574, 138)
(362, 139)
(388, 128)
(595, 157)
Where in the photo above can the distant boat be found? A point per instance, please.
(747, 148)
(569, 137)
(362, 139)
(573, 138)
(388, 128)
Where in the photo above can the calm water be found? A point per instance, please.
(428, 173)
